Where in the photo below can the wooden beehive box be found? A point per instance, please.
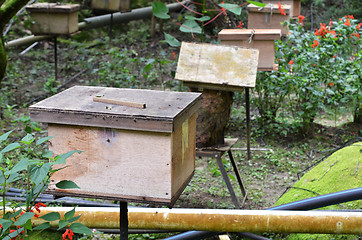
(268, 17)
(295, 5)
(210, 66)
(262, 39)
(53, 18)
(135, 154)
(111, 5)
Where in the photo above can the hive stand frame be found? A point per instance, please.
(217, 152)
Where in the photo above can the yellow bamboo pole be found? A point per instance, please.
(218, 220)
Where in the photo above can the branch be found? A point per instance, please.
(8, 9)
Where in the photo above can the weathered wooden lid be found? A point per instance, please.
(164, 111)
(244, 34)
(217, 65)
(53, 7)
(269, 8)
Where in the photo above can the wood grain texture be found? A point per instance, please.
(53, 7)
(244, 34)
(111, 5)
(216, 64)
(294, 4)
(268, 17)
(118, 102)
(125, 164)
(164, 113)
(57, 23)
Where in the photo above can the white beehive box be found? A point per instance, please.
(268, 17)
(111, 5)
(261, 39)
(53, 18)
(135, 154)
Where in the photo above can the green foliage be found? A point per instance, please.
(317, 71)
(35, 169)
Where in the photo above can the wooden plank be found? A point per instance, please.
(118, 102)
(216, 64)
(53, 7)
(295, 5)
(270, 8)
(244, 34)
(75, 106)
(183, 153)
(114, 162)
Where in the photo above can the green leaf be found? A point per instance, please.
(5, 136)
(43, 140)
(20, 166)
(5, 224)
(62, 223)
(329, 91)
(28, 139)
(53, 216)
(259, 4)
(69, 215)
(201, 19)
(74, 219)
(160, 10)
(42, 226)
(191, 26)
(61, 159)
(10, 147)
(48, 154)
(80, 228)
(171, 40)
(66, 184)
(24, 218)
(39, 173)
(234, 8)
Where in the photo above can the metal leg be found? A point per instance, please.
(227, 181)
(247, 101)
(237, 173)
(123, 221)
(55, 60)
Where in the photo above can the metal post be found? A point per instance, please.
(123, 221)
(110, 30)
(55, 59)
(247, 101)
(238, 177)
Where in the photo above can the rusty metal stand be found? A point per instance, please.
(123, 221)
(217, 152)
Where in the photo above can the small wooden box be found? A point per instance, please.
(262, 39)
(295, 5)
(144, 155)
(53, 18)
(268, 17)
(111, 5)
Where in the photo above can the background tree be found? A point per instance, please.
(8, 9)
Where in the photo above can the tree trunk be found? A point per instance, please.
(212, 117)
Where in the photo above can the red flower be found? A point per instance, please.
(359, 26)
(68, 233)
(315, 43)
(330, 84)
(240, 25)
(351, 16)
(173, 55)
(291, 62)
(334, 56)
(301, 18)
(348, 22)
(282, 11)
